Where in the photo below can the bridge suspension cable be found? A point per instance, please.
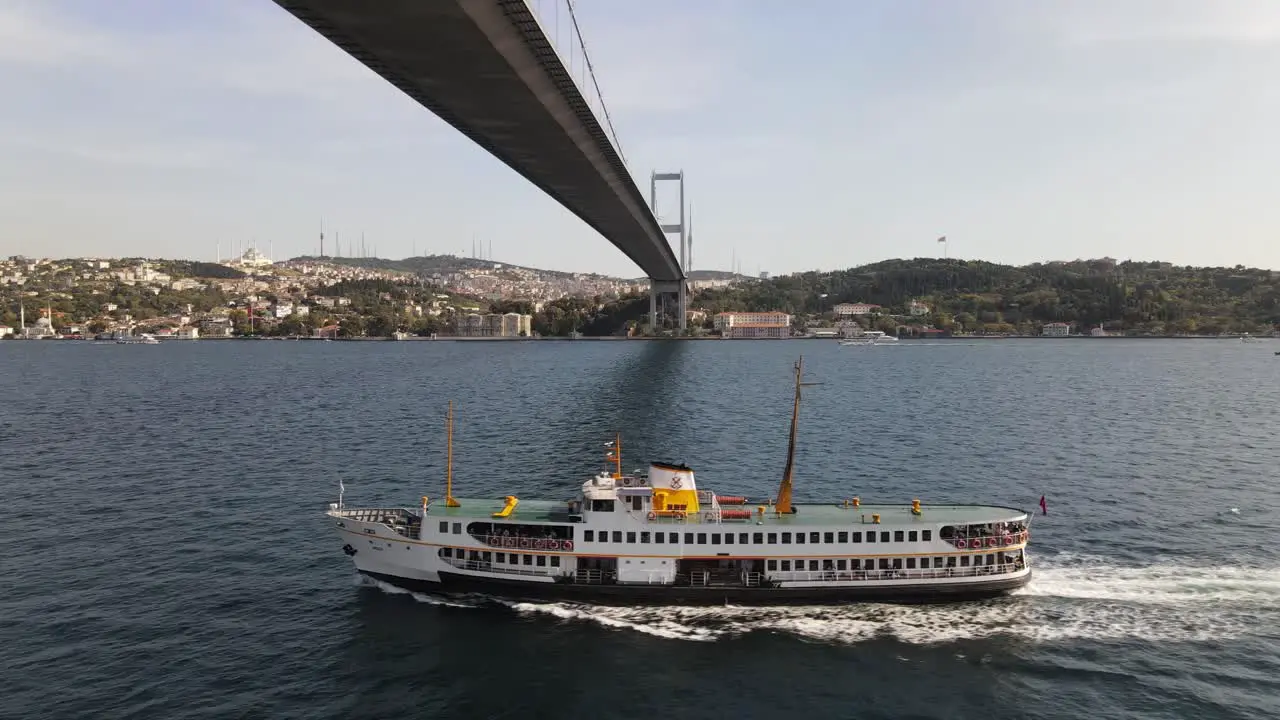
(591, 71)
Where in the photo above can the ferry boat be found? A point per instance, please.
(871, 337)
(654, 537)
(143, 339)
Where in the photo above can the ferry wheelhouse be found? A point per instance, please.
(655, 537)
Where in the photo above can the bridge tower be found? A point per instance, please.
(679, 288)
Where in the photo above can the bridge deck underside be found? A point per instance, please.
(486, 68)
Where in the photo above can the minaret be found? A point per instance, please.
(321, 238)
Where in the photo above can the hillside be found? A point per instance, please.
(1143, 297)
(427, 264)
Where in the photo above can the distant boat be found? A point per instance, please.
(871, 337)
(143, 339)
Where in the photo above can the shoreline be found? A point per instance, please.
(705, 338)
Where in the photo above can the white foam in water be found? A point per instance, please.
(388, 588)
(1069, 597)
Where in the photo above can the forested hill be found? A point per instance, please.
(1152, 297)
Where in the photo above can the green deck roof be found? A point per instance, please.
(541, 511)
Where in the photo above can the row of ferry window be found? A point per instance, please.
(762, 538)
(504, 558)
(880, 563)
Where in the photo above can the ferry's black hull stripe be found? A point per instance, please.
(454, 583)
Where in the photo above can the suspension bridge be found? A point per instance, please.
(514, 76)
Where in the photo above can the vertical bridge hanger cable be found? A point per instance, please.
(595, 83)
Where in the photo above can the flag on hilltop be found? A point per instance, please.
(942, 239)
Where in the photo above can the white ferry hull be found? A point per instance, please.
(398, 553)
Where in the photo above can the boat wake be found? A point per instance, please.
(1070, 597)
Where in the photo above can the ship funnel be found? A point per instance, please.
(671, 476)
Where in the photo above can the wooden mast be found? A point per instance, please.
(448, 476)
(616, 455)
(783, 504)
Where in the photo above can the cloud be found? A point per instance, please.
(261, 51)
(1239, 22)
(113, 147)
(647, 59)
(31, 34)
(192, 86)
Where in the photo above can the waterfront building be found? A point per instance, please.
(753, 324)
(852, 309)
(1056, 329)
(494, 325)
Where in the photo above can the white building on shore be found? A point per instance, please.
(753, 324)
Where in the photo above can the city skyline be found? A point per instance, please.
(822, 139)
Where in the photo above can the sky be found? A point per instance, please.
(820, 134)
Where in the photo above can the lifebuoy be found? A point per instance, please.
(555, 544)
(540, 545)
(991, 542)
(495, 541)
(975, 543)
(524, 543)
(568, 545)
(652, 515)
(960, 543)
(1007, 540)
(508, 542)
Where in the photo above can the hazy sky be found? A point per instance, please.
(815, 134)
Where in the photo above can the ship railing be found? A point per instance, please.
(375, 515)
(593, 576)
(701, 517)
(855, 575)
(400, 520)
(493, 567)
(512, 542)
